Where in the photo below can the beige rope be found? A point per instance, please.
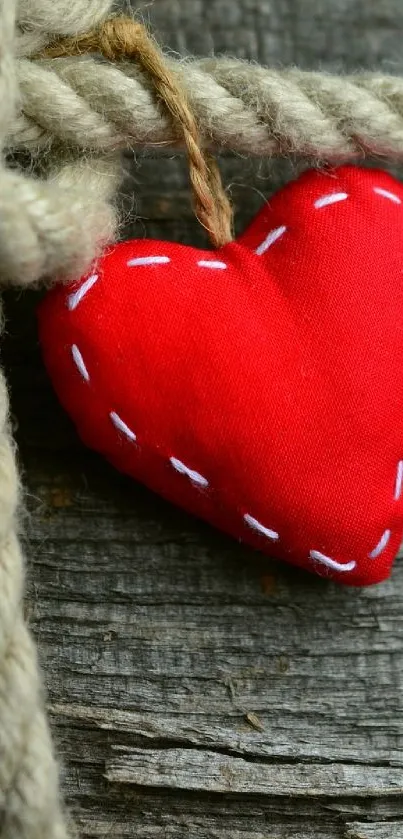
(239, 107)
(52, 227)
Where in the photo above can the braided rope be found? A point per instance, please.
(239, 107)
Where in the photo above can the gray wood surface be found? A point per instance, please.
(196, 689)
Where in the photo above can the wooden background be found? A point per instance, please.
(195, 689)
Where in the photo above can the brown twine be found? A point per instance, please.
(122, 37)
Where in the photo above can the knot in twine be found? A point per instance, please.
(123, 38)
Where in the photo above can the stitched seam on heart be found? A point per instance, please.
(199, 480)
(317, 556)
(270, 239)
(74, 299)
(195, 477)
(212, 263)
(386, 194)
(399, 480)
(121, 426)
(380, 547)
(330, 198)
(257, 525)
(79, 362)
(148, 260)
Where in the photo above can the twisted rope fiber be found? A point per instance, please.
(239, 106)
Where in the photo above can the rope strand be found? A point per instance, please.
(239, 107)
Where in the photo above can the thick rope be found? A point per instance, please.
(239, 107)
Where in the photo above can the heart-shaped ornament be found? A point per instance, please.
(259, 386)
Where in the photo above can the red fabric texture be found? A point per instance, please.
(263, 391)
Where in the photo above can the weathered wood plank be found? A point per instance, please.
(250, 700)
(375, 831)
(237, 734)
(207, 771)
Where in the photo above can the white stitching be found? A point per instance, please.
(195, 477)
(399, 481)
(270, 239)
(75, 298)
(211, 263)
(317, 556)
(381, 545)
(79, 362)
(256, 525)
(332, 198)
(148, 260)
(387, 194)
(121, 426)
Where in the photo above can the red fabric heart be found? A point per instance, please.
(259, 386)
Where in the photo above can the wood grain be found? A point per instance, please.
(196, 689)
(375, 831)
